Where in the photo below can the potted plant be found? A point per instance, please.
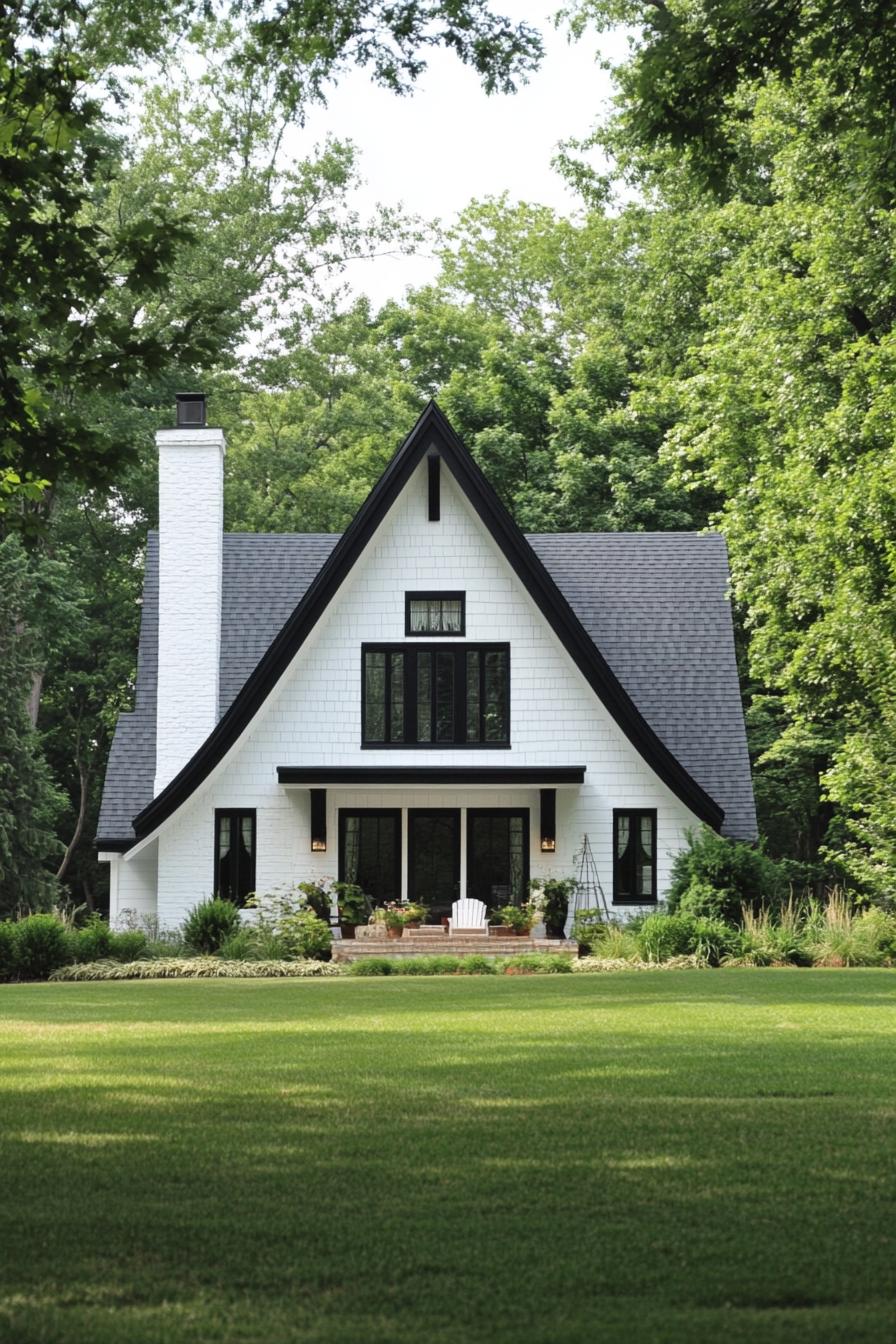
(517, 918)
(414, 914)
(393, 918)
(496, 926)
(552, 896)
(354, 906)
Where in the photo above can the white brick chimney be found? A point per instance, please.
(191, 532)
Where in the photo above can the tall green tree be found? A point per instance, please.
(777, 121)
(29, 802)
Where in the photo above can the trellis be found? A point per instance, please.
(589, 894)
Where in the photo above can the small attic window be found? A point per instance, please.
(434, 613)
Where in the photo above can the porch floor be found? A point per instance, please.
(433, 940)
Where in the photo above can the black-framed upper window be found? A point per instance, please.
(234, 854)
(634, 856)
(427, 695)
(434, 613)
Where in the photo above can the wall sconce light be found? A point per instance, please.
(548, 821)
(318, 821)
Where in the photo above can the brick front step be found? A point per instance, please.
(457, 945)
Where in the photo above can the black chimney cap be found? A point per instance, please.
(190, 410)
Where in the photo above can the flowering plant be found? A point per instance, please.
(398, 915)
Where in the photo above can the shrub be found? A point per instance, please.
(159, 940)
(540, 963)
(663, 936)
(7, 950)
(536, 963)
(285, 927)
(721, 876)
(476, 965)
(196, 968)
(127, 945)
(304, 935)
(616, 941)
(40, 946)
(714, 941)
(371, 966)
(209, 923)
(240, 946)
(90, 943)
(594, 965)
(440, 964)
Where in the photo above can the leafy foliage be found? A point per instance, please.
(717, 878)
(209, 924)
(39, 946)
(196, 968)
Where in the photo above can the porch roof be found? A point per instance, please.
(521, 776)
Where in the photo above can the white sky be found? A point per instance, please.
(447, 143)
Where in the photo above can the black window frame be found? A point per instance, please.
(635, 814)
(436, 597)
(234, 814)
(458, 653)
(392, 813)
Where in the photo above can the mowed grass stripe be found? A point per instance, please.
(630, 1157)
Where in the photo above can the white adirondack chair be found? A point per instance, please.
(468, 916)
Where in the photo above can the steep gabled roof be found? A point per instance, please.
(564, 555)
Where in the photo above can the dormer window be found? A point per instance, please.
(434, 613)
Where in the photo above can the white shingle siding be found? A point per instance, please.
(191, 517)
(313, 717)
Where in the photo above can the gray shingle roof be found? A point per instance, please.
(654, 603)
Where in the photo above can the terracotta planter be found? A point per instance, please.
(499, 931)
(394, 933)
(348, 930)
(413, 924)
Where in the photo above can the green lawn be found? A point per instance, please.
(695, 1156)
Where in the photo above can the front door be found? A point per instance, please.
(434, 858)
(498, 855)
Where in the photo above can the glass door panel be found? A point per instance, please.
(434, 859)
(498, 855)
(370, 851)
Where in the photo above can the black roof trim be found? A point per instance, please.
(313, 775)
(432, 432)
(113, 846)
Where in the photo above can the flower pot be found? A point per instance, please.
(413, 924)
(394, 933)
(348, 930)
(521, 933)
(499, 931)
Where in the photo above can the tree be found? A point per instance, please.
(76, 276)
(29, 803)
(776, 121)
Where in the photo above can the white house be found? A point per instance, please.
(432, 704)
